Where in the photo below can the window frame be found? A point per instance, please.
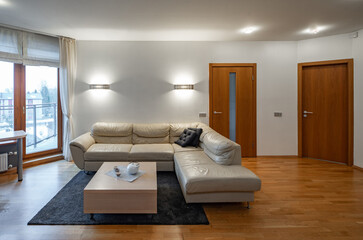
(20, 113)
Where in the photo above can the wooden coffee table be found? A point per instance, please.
(105, 194)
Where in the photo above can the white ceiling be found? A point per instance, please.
(183, 20)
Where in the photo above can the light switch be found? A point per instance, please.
(278, 114)
(202, 114)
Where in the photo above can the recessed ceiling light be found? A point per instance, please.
(248, 30)
(314, 30)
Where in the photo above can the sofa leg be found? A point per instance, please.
(248, 205)
(86, 172)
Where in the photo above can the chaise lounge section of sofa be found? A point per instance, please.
(211, 172)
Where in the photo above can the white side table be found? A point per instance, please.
(18, 136)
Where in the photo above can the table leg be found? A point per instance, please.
(20, 158)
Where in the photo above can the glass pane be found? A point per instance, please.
(232, 106)
(41, 108)
(6, 97)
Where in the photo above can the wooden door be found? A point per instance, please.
(325, 111)
(245, 111)
(220, 102)
(233, 104)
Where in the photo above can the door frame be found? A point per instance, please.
(20, 113)
(254, 93)
(350, 78)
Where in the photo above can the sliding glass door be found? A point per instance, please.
(41, 101)
(29, 100)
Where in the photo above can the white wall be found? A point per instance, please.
(142, 73)
(325, 48)
(341, 47)
(358, 99)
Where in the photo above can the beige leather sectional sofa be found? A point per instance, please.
(209, 173)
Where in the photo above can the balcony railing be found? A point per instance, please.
(41, 122)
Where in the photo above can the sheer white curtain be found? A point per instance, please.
(67, 75)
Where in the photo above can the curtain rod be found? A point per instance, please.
(31, 31)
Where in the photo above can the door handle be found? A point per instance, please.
(306, 112)
(217, 112)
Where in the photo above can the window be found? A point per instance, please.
(29, 94)
(41, 110)
(6, 97)
(29, 100)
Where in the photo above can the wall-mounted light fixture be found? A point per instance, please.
(99, 86)
(184, 86)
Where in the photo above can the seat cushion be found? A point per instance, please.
(199, 174)
(178, 148)
(152, 152)
(108, 152)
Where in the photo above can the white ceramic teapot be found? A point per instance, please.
(133, 168)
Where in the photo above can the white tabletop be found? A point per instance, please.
(13, 135)
(102, 182)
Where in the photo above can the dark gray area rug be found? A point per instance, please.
(66, 208)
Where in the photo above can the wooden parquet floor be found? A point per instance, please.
(300, 199)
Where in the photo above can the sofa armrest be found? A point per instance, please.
(83, 142)
(79, 146)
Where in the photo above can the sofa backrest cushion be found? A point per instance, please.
(113, 133)
(220, 149)
(150, 133)
(206, 130)
(176, 129)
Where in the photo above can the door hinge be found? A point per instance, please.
(253, 78)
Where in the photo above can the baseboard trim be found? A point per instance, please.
(358, 168)
(277, 156)
(43, 160)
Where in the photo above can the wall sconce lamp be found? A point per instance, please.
(184, 86)
(99, 86)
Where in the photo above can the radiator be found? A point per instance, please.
(3, 162)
